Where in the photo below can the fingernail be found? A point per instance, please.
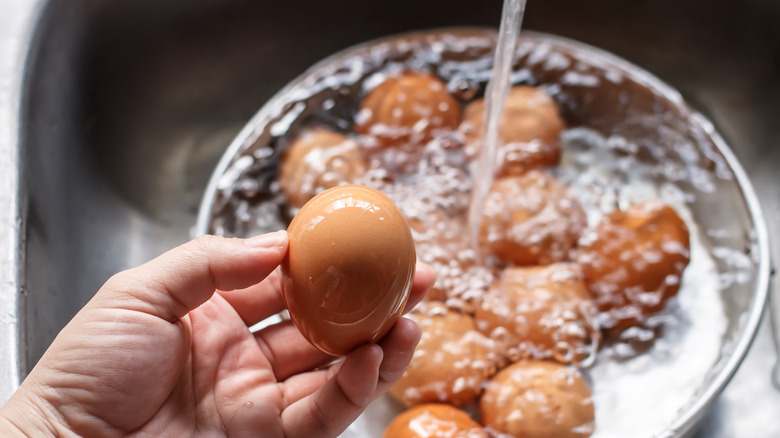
(268, 240)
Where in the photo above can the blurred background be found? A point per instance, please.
(127, 106)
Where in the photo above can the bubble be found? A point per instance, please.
(464, 89)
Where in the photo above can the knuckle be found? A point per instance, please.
(119, 281)
(322, 419)
(200, 250)
(203, 245)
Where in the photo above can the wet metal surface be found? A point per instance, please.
(14, 26)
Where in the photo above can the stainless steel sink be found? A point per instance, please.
(125, 107)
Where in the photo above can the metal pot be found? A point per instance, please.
(608, 95)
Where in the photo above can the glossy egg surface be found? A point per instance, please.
(349, 269)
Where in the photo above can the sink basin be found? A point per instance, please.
(127, 106)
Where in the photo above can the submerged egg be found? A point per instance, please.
(531, 219)
(318, 160)
(408, 108)
(633, 262)
(434, 420)
(544, 312)
(529, 130)
(349, 268)
(534, 398)
(452, 361)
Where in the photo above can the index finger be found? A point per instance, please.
(185, 277)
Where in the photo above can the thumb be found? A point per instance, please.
(187, 276)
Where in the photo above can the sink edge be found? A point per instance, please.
(16, 42)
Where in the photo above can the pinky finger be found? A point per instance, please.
(330, 409)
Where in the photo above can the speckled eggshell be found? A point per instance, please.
(349, 268)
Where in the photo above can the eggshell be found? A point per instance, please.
(408, 108)
(538, 399)
(452, 361)
(531, 219)
(633, 262)
(349, 268)
(317, 160)
(544, 312)
(529, 130)
(434, 420)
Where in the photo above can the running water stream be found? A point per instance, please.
(495, 97)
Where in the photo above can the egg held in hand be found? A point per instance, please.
(348, 272)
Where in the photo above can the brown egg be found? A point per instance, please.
(538, 399)
(317, 160)
(440, 242)
(531, 219)
(529, 130)
(633, 262)
(410, 108)
(451, 362)
(542, 312)
(434, 421)
(349, 268)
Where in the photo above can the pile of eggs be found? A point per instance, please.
(507, 324)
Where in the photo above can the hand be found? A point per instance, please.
(165, 350)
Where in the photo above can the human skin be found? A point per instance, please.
(165, 349)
